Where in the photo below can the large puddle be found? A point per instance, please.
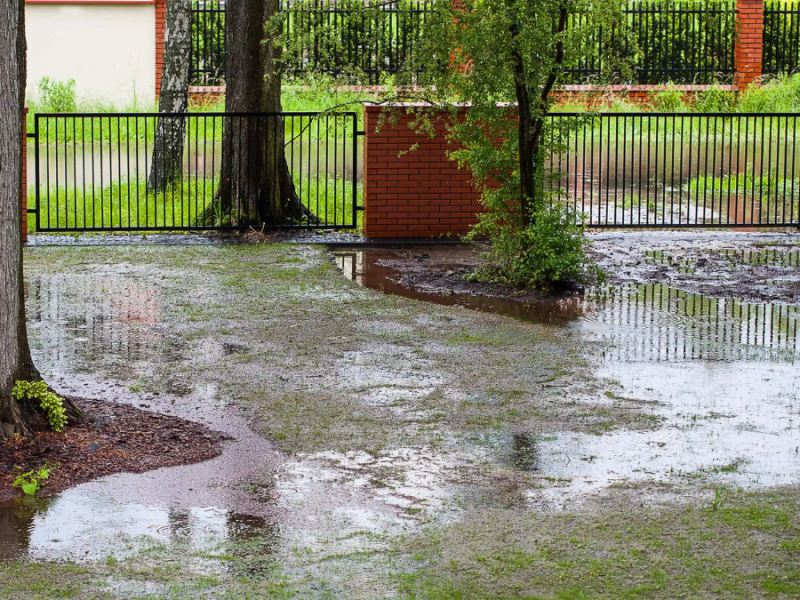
(719, 375)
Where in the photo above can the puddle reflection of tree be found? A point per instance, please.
(27, 518)
(525, 452)
(77, 320)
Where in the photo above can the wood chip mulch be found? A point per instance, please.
(115, 438)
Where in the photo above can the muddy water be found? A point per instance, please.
(718, 375)
(114, 321)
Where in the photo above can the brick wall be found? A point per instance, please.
(749, 42)
(418, 194)
(25, 182)
(642, 95)
(161, 15)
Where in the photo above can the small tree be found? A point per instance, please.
(504, 58)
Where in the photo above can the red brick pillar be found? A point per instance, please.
(161, 25)
(749, 43)
(25, 180)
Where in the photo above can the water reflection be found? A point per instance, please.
(75, 524)
(525, 452)
(639, 323)
(75, 320)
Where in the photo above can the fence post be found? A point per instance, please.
(161, 24)
(749, 43)
(25, 179)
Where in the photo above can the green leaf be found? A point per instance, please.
(30, 488)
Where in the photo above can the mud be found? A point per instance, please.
(368, 427)
(112, 439)
(750, 265)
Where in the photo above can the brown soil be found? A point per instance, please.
(114, 439)
(442, 270)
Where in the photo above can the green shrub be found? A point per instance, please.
(781, 94)
(57, 96)
(52, 405)
(550, 253)
(716, 100)
(669, 99)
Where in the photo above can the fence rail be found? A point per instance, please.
(688, 41)
(179, 171)
(682, 42)
(677, 169)
(781, 37)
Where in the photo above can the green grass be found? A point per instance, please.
(129, 203)
(744, 547)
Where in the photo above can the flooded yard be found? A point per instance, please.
(390, 438)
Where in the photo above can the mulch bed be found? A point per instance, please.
(114, 439)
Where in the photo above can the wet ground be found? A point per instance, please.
(390, 447)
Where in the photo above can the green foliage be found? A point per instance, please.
(50, 403)
(717, 100)
(360, 41)
(669, 99)
(781, 94)
(549, 253)
(32, 481)
(499, 57)
(57, 96)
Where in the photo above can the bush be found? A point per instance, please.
(781, 94)
(57, 96)
(550, 253)
(716, 100)
(669, 100)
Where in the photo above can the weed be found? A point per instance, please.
(33, 481)
(57, 96)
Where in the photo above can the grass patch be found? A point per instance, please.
(130, 204)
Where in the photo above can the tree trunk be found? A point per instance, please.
(530, 127)
(16, 364)
(174, 96)
(15, 355)
(256, 186)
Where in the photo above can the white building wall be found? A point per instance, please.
(108, 49)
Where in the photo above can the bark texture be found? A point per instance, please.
(256, 186)
(174, 98)
(530, 127)
(15, 355)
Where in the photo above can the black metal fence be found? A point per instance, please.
(342, 37)
(687, 41)
(208, 42)
(178, 171)
(781, 52)
(677, 169)
(680, 42)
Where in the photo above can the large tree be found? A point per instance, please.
(173, 97)
(256, 185)
(15, 355)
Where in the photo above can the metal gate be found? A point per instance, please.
(195, 171)
(677, 169)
